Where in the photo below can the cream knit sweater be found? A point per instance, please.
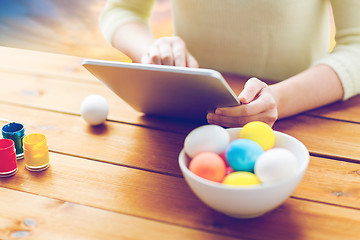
(269, 39)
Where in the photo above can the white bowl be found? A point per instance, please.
(248, 201)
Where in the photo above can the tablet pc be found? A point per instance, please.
(168, 91)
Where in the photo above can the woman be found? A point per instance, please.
(284, 41)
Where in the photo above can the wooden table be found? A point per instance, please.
(122, 181)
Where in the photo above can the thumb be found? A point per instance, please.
(252, 88)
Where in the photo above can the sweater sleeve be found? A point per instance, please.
(345, 57)
(118, 12)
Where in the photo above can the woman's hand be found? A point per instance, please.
(257, 104)
(170, 51)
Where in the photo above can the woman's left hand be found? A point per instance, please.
(257, 104)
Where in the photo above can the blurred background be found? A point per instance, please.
(71, 27)
(66, 27)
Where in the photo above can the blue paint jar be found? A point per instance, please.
(15, 132)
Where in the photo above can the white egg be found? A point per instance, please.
(275, 164)
(207, 138)
(94, 109)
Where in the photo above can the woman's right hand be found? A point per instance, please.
(170, 51)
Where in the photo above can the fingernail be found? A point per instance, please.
(210, 117)
(242, 98)
(218, 111)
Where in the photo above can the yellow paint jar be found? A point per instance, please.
(36, 152)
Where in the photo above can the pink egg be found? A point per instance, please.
(223, 157)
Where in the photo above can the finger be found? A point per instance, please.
(251, 89)
(191, 61)
(263, 103)
(154, 54)
(227, 121)
(145, 59)
(179, 52)
(242, 110)
(166, 54)
(209, 117)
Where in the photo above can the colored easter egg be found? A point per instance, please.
(242, 154)
(207, 138)
(259, 132)
(208, 165)
(275, 164)
(241, 179)
(223, 157)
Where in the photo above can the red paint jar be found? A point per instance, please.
(8, 163)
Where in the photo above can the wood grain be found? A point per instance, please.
(331, 181)
(41, 63)
(324, 137)
(36, 217)
(122, 144)
(148, 195)
(348, 110)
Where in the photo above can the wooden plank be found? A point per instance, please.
(31, 216)
(40, 63)
(324, 137)
(348, 110)
(51, 93)
(331, 181)
(116, 143)
(62, 220)
(106, 186)
(153, 196)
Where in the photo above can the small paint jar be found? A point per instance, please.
(8, 163)
(36, 152)
(15, 132)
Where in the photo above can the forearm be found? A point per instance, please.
(133, 39)
(310, 89)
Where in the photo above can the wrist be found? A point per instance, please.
(276, 92)
(283, 94)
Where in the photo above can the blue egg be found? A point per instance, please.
(242, 154)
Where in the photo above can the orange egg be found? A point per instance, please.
(208, 165)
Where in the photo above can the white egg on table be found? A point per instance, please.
(94, 109)
(207, 138)
(275, 164)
